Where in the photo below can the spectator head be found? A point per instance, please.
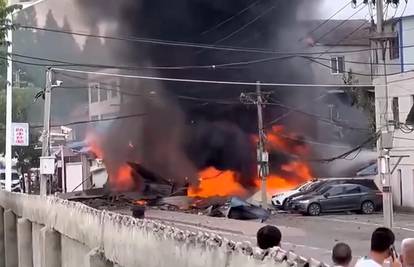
(341, 254)
(407, 252)
(381, 241)
(268, 236)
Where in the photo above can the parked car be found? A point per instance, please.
(339, 197)
(318, 184)
(16, 186)
(279, 200)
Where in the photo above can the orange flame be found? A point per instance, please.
(120, 177)
(224, 183)
(92, 140)
(214, 182)
(140, 202)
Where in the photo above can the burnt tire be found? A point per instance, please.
(367, 207)
(314, 209)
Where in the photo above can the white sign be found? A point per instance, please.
(20, 134)
(47, 165)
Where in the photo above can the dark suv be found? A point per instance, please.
(339, 197)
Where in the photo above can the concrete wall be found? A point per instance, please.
(71, 234)
(402, 181)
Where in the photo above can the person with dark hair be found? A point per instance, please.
(268, 236)
(382, 248)
(341, 255)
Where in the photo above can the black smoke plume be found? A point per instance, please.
(179, 136)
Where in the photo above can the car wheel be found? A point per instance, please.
(367, 207)
(284, 205)
(314, 209)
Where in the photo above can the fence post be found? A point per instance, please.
(96, 258)
(24, 243)
(10, 239)
(51, 248)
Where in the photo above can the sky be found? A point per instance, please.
(326, 10)
(329, 7)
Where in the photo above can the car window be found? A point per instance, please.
(337, 190)
(302, 187)
(323, 189)
(365, 189)
(15, 176)
(353, 189)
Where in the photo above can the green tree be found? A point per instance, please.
(24, 109)
(362, 98)
(23, 104)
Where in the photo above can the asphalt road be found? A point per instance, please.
(307, 236)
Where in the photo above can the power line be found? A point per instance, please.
(349, 152)
(89, 121)
(181, 97)
(326, 21)
(231, 18)
(199, 45)
(210, 81)
(210, 66)
(264, 13)
(342, 23)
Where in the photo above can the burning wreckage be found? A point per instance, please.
(217, 192)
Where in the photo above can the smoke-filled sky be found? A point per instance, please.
(325, 8)
(211, 132)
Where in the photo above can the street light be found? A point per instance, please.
(9, 92)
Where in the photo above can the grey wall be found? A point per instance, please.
(83, 236)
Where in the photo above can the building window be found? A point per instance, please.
(103, 94)
(95, 118)
(337, 65)
(394, 48)
(93, 92)
(114, 89)
(395, 110)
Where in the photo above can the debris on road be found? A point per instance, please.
(242, 210)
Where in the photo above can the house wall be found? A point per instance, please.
(399, 86)
(323, 74)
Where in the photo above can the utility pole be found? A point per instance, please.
(262, 155)
(46, 129)
(9, 104)
(386, 140)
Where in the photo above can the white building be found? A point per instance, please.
(341, 36)
(333, 50)
(400, 80)
(104, 96)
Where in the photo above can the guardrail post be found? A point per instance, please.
(96, 258)
(2, 255)
(24, 243)
(10, 239)
(51, 248)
